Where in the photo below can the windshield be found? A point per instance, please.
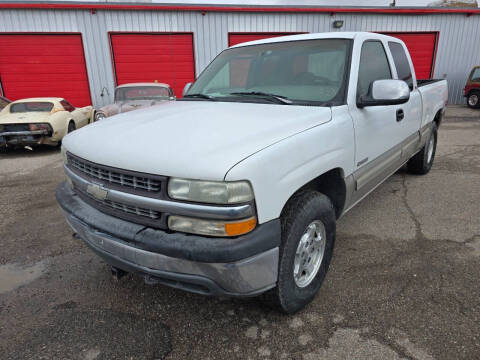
(34, 106)
(309, 72)
(142, 93)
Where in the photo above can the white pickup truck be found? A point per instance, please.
(235, 189)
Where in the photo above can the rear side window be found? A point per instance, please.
(401, 63)
(373, 66)
(67, 106)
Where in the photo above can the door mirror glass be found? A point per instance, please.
(185, 89)
(385, 92)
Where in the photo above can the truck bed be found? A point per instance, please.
(423, 82)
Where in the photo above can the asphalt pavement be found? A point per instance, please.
(404, 282)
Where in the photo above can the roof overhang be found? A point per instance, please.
(96, 6)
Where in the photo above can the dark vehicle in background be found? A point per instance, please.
(472, 88)
(3, 102)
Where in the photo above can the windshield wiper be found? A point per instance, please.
(201, 96)
(278, 98)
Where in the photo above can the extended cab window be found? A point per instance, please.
(305, 72)
(401, 63)
(373, 66)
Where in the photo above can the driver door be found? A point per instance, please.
(377, 137)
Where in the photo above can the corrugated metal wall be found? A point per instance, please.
(457, 51)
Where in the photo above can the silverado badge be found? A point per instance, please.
(97, 191)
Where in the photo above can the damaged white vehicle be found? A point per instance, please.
(135, 96)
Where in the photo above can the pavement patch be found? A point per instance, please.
(12, 276)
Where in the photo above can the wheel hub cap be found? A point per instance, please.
(309, 254)
(430, 149)
(473, 100)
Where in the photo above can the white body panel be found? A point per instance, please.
(277, 148)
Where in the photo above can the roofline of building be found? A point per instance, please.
(234, 8)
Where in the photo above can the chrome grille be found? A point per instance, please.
(133, 209)
(114, 176)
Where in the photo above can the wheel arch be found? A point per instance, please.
(330, 183)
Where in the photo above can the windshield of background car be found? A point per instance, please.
(34, 106)
(476, 75)
(307, 71)
(141, 93)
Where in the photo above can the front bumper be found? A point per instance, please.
(242, 266)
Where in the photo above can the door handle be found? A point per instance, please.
(400, 115)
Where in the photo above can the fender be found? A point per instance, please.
(278, 171)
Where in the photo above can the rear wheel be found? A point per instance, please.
(308, 236)
(71, 126)
(473, 100)
(422, 162)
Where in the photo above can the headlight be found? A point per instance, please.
(213, 192)
(211, 227)
(64, 155)
(99, 116)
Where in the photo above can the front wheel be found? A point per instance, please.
(473, 100)
(308, 236)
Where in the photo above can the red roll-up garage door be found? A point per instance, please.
(165, 58)
(422, 47)
(234, 39)
(44, 65)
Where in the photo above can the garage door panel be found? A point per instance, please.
(154, 57)
(44, 65)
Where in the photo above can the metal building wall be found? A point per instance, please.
(457, 47)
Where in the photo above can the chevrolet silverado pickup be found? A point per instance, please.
(235, 189)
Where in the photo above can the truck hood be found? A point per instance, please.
(191, 139)
(24, 118)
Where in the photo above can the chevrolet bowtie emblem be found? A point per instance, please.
(97, 191)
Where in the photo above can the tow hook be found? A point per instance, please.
(117, 273)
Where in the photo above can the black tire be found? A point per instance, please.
(473, 99)
(71, 126)
(303, 209)
(421, 163)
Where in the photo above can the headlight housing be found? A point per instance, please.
(99, 115)
(211, 227)
(213, 192)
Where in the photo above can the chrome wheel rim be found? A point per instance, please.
(309, 254)
(430, 149)
(473, 100)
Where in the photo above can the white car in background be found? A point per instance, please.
(135, 96)
(38, 121)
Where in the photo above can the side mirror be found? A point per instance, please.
(385, 92)
(185, 89)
